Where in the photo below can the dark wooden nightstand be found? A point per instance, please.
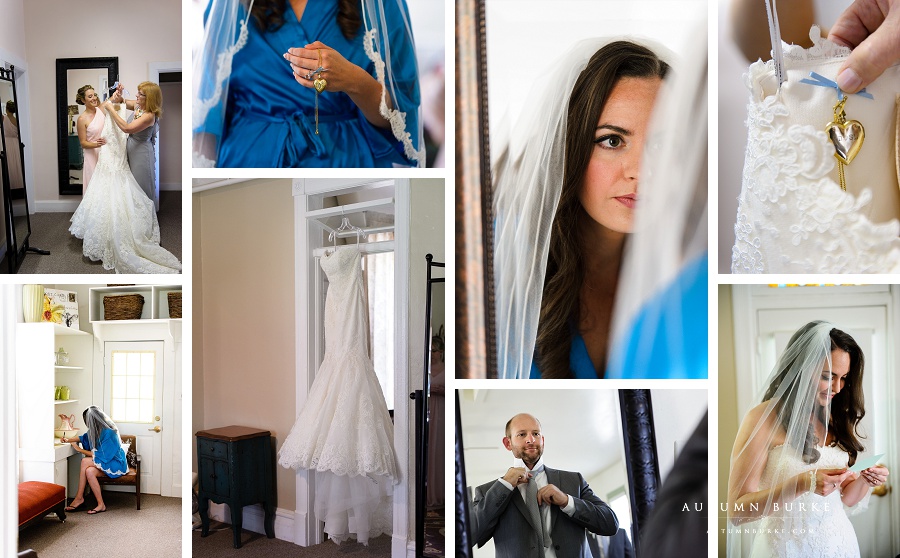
(236, 469)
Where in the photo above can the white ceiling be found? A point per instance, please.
(582, 429)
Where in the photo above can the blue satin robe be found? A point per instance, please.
(270, 118)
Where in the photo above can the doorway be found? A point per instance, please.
(133, 398)
(168, 145)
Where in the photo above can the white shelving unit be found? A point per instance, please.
(41, 456)
(156, 307)
(156, 303)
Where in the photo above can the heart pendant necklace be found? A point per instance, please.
(319, 84)
(847, 136)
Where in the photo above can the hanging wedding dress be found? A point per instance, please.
(115, 219)
(344, 432)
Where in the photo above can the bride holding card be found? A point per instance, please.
(796, 470)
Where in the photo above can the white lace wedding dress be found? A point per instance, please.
(344, 432)
(116, 220)
(792, 215)
(811, 525)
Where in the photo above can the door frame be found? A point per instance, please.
(171, 452)
(156, 68)
(306, 528)
(748, 300)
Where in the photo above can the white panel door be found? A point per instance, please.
(132, 396)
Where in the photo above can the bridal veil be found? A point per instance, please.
(528, 176)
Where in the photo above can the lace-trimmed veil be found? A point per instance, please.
(528, 175)
(224, 35)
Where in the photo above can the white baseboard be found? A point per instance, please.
(170, 186)
(57, 206)
(253, 519)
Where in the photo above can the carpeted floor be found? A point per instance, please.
(434, 533)
(50, 231)
(154, 531)
(218, 544)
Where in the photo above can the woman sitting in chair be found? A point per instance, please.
(104, 455)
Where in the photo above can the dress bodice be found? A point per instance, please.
(346, 321)
(786, 533)
(113, 155)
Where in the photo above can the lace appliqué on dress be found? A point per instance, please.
(812, 525)
(791, 216)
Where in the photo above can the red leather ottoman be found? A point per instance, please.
(37, 499)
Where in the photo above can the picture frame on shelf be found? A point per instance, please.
(61, 307)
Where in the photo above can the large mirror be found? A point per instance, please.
(72, 73)
(493, 81)
(16, 223)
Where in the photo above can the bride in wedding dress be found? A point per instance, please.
(116, 220)
(791, 486)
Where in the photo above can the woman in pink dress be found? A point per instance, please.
(90, 125)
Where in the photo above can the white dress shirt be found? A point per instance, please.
(539, 477)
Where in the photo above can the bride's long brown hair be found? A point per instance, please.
(269, 15)
(847, 407)
(560, 303)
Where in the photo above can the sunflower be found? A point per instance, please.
(52, 312)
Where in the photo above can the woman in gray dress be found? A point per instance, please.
(142, 127)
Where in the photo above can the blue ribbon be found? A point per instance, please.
(823, 81)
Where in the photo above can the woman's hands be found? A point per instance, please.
(875, 476)
(829, 480)
(340, 74)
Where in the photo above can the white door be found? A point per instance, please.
(132, 395)
(868, 325)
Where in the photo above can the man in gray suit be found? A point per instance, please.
(534, 511)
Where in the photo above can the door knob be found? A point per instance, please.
(155, 429)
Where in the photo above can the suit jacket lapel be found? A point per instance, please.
(553, 477)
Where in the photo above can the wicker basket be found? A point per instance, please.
(123, 307)
(175, 304)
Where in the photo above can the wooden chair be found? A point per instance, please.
(133, 478)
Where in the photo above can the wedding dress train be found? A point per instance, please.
(115, 219)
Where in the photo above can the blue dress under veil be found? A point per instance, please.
(667, 337)
(109, 456)
(270, 118)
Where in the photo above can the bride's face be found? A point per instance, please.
(832, 381)
(91, 99)
(609, 192)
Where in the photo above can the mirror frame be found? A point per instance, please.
(476, 342)
(63, 65)
(641, 467)
(15, 250)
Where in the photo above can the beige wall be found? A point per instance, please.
(426, 235)
(12, 27)
(728, 419)
(198, 417)
(56, 29)
(244, 311)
